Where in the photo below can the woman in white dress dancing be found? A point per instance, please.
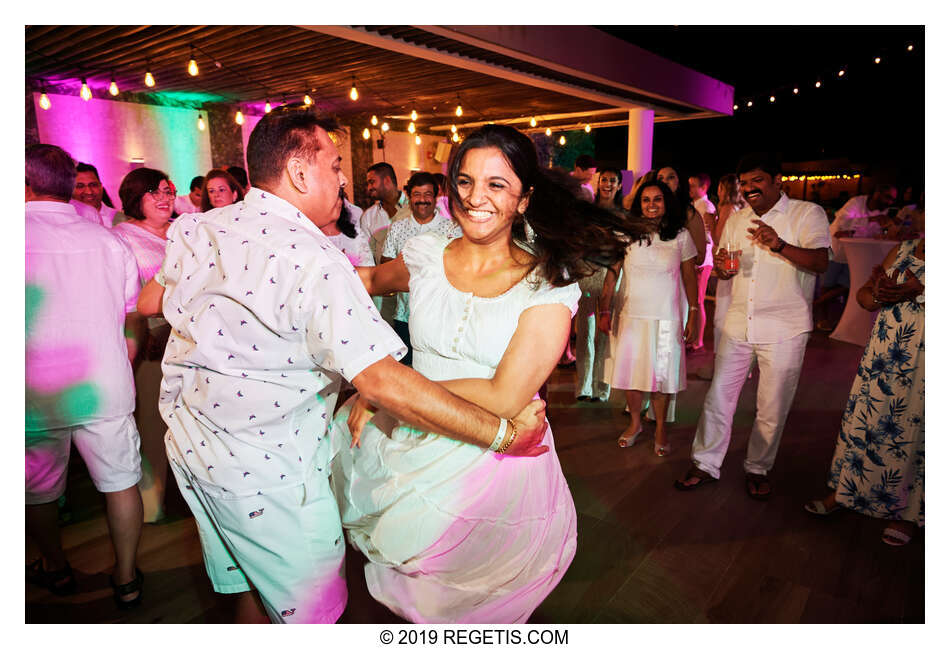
(454, 532)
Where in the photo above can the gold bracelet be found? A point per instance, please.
(514, 433)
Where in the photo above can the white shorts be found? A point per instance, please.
(109, 447)
(287, 544)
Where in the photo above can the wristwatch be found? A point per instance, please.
(781, 246)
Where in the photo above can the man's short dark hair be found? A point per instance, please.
(422, 178)
(384, 170)
(196, 183)
(50, 171)
(281, 134)
(239, 175)
(584, 162)
(767, 162)
(703, 178)
(85, 166)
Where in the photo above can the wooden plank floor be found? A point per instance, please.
(646, 552)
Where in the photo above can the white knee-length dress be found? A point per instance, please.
(454, 532)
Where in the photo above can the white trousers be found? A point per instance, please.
(780, 365)
(591, 350)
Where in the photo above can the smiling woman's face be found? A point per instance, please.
(652, 205)
(491, 195)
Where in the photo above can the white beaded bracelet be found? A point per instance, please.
(502, 429)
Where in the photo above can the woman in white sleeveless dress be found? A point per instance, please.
(454, 532)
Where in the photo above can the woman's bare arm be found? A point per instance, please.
(389, 277)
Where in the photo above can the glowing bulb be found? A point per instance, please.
(373, 120)
(44, 102)
(910, 48)
(239, 117)
(85, 92)
(201, 123)
(193, 68)
(818, 84)
(353, 94)
(877, 59)
(412, 127)
(365, 133)
(587, 129)
(562, 141)
(533, 122)
(455, 137)
(735, 107)
(749, 104)
(113, 88)
(840, 73)
(267, 106)
(418, 140)
(454, 129)
(458, 110)
(307, 100)
(414, 116)
(547, 132)
(149, 79)
(772, 99)
(385, 127)
(795, 91)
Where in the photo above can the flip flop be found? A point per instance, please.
(817, 507)
(753, 481)
(895, 537)
(694, 472)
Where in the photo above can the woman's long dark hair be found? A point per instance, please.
(571, 236)
(674, 217)
(344, 222)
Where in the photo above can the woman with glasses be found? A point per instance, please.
(148, 199)
(220, 189)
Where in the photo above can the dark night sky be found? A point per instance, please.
(874, 115)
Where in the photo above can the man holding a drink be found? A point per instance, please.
(772, 251)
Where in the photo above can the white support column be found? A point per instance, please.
(640, 141)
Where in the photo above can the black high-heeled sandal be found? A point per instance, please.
(119, 590)
(60, 582)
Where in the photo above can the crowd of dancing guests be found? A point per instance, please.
(443, 469)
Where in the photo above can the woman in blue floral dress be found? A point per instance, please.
(878, 465)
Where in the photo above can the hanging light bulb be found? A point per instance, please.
(373, 120)
(795, 91)
(562, 141)
(239, 117)
(149, 79)
(307, 100)
(353, 94)
(533, 122)
(201, 122)
(749, 103)
(735, 107)
(841, 72)
(772, 99)
(454, 128)
(44, 101)
(547, 131)
(910, 47)
(818, 84)
(365, 133)
(587, 129)
(877, 59)
(267, 107)
(385, 127)
(192, 64)
(455, 137)
(85, 92)
(458, 110)
(412, 127)
(414, 116)
(418, 140)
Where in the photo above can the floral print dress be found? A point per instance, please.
(878, 466)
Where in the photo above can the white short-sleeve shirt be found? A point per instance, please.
(771, 297)
(400, 232)
(267, 318)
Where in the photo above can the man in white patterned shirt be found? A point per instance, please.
(268, 318)
(422, 189)
(783, 245)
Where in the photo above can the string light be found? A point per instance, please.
(877, 59)
(267, 107)
(454, 128)
(373, 120)
(414, 116)
(192, 64)
(547, 131)
(910, 47)
(562, 141)
(418, 140)
(455, 137)
(749, 103)
(353, 94)
(533, 122)
(365, 133)
(458, 109)
(239, 117)
(822, 177)
(85, 92)
(818, 84)
(44, 101)
(201, 122)
(841, 72)
(735, 107)
(113, 88)
(412, 127)
(772, 99)
(795, 91)
(149, 79)
(307, 100)
(587, 129)
(385, 127)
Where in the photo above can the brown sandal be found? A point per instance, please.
(694, 472)
(754, 482)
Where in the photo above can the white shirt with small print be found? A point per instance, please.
(268, 318)
(400, 232)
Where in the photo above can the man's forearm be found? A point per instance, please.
(814, 260)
